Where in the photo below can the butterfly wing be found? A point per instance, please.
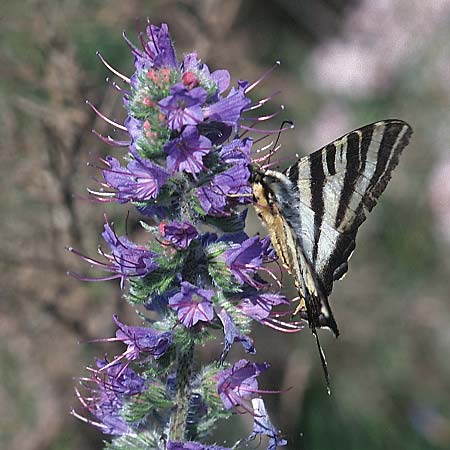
(337, 186)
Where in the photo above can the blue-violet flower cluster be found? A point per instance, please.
(185, 165)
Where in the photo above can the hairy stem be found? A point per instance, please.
(177, 427)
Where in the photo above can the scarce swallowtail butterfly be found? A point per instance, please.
(314, 208)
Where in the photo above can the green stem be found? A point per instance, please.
(177, 427)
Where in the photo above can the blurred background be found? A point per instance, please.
(344, 64)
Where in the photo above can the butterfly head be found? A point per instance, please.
(262, 182)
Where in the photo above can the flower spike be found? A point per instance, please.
(187, 170)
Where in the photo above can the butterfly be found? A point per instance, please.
(314, 208)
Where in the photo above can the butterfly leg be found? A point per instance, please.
(301, 306)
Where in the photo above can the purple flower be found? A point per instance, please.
(178, 234)
(125, 260)
(212, 200)
(229, 109)
(139, 182)
(171, 445)
(263, 426)
(109, 386)
(233, 183)
(259, 306)
(238, 383)
(224, 190)
(232, 334)
(160, 46)
(186, 152)
(157, 52)
(246, 258)
(122, 380)
(192, 304)
(142, 340)
(183, 106)
(237, 151)
(231, 186)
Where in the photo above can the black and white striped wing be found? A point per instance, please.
(337, 186)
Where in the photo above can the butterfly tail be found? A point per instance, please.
(323, 360)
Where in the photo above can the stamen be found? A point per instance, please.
(246, 129)
(80, 278)
(133, 48)
(281, 326)
(87, 258)
(264, 118)
(263, 77)
(106, 119)
(277, 162)
(256, 141)
(153, 37)
(115, 85)
(114, 71)
(265, 269)
(84, 419)
(144, 45)
(263, 149)
(271, 153)
(256, 130)
(110, 141)
(261, 102)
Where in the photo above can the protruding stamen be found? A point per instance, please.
(153, 37)
(81, 278)
(106, 119)
(276, 163)
(256, 130)
(263, 158)
(263, 77)
(263, 118)
(133, 48)
(110, 141)
(261, 102)
(263, 149)
(114, 71)
(284, 327)
(114, 84)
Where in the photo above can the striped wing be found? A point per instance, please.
(337, 186)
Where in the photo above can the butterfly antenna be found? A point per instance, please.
(278, 136)
(323, 360)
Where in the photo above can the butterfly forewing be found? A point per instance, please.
(336, 186)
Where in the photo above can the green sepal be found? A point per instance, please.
(195, 205)
(140, 441)
(153, 401)
(184, 337)
(142, 289)
(218, 269)
(161, 366)
(206, 385)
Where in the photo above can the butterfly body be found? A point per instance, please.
(314, 208)
(276, 203)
